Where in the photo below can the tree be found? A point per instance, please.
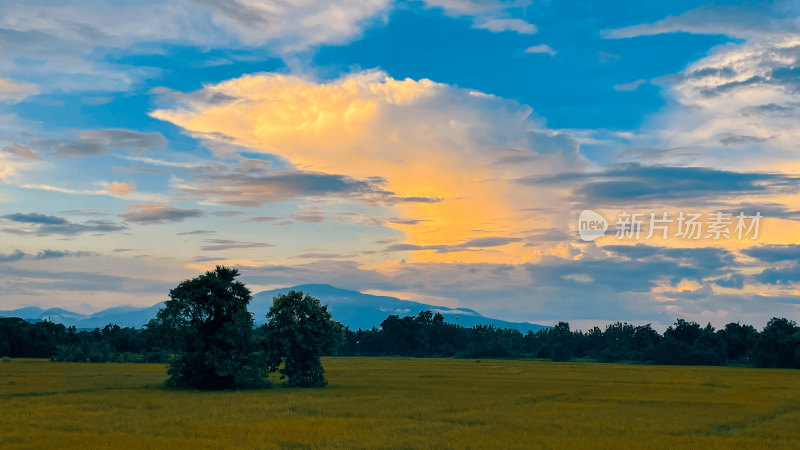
(211, 331)
(778, 344)
(739, 340)
(299, 331)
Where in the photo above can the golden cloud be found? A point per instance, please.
(426, 139)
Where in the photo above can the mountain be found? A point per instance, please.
(352, 308)
(358, 310)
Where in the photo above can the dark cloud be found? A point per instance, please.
(36, 218)
(781, 276)
(625, 183)
(259, 219)
(774, 253)
(245, 186)
(319, 256)
(98, 142)
(736, 139)
(227, 213)
(196, 232)
(135, 168)
(226, 244)
(46, 225)
(771, 109)
(52, 254)
(22, 152)
(153, 213)
(734, 281)
(17, 255)
(473, 244)
(308, 216)
(416, 199)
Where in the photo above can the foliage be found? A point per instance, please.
(299, 331)
(428, 335)
(207, 321)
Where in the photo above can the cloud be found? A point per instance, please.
(16, 255)
(245, 187)
(740, 139)
(44, 225)
(475, 7)
(259, 219)
(98, 142)
(196, 232)
(15, 91)
(499, 25)
(774, 253)
(295, 26)
(22, 152)
(541, 48)
(118, 188)
(740, 21)
(216, 245)
(309, 216)
(626, 183)
(495, 16)
(474, 244)
(67, 47)
(430, 153)
(52, 254)
(629, 87)
(155, 213)
(618, 283)
(36, 218)
(734, 108)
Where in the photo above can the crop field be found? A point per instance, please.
(398, 402)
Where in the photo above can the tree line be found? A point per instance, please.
(683, 343)
(208, 338)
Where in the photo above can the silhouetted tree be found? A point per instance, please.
(207, 321)
(778, 345)
(739, 340)
(299, 331)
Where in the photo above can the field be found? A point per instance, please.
(398, 402)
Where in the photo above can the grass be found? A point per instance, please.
(399, 402)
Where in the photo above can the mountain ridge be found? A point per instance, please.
(353, 308)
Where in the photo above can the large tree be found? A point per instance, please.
(207, 324)
(299, 331)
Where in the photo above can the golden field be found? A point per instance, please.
(404, 403)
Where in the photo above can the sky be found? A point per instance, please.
(440, 151)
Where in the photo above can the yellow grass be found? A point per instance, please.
(398, 402)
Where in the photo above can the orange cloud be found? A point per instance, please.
(426, 139)
(118, 188)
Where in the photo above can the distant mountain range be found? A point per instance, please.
(352, 308)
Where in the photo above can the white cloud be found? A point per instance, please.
(541, 48)
(492, 15)
(55, 44)
(499, 25)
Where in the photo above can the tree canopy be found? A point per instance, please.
(207, 322)
(299, 331)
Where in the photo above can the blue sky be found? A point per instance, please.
(438, 151)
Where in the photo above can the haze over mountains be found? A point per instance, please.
(352, 308)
